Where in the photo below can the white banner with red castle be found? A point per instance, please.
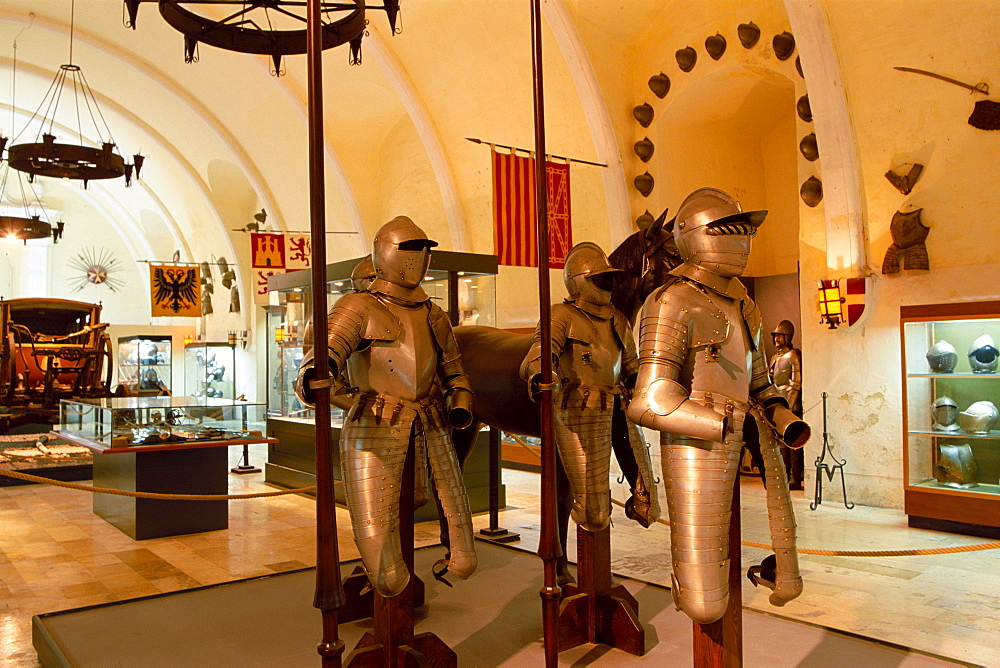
(272, 254)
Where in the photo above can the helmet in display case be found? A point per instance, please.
(944, 413)
(979, 418)
(983, 355)
(942, 357)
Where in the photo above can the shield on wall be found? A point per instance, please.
(855, 292)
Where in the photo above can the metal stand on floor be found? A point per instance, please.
(828, 469)
(495, 533)
(245, 467)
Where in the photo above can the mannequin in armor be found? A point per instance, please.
(402, 359)
(701, 369)
(595, 361)
(786, 374)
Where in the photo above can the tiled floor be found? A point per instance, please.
(55, 554)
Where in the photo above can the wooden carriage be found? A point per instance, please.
(52, 349)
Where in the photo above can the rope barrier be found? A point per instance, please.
(830, 553)
(152, 495)
(257, 495)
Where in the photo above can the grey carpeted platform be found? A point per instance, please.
(494, 619)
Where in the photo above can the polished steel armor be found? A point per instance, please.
(979, 418)
(595, 360)
(363, 274)
(712, 231)
(983, 355)
(701, 369)
(786, 374)
(786, 366)
(409, 386)
(401, 254)
(956, 466)
(584, 264)
(942, 357)
(944, 413)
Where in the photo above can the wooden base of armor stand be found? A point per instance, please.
(392, 643)
(594, 611)
(720, 644)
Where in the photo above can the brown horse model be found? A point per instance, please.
(492, 358)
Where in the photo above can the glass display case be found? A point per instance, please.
(951, 430)
(147, 421)
(210, 370)
(145, 365)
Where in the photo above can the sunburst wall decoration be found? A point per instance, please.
(95, 266)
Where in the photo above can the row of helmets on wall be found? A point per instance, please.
(783, 45)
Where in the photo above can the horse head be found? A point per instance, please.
(646, 257)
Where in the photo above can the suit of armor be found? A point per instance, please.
(409, 386)
(701, 370)
(786, 374)
(595, 359)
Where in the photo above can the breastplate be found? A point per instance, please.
(405, 368)
(781, 368)
(596, 363)
(725, 368)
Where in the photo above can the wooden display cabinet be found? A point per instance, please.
(951, 478)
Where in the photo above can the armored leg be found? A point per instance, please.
(583, 439)
(421, 483)
(699, 478)
(371, 458)
(787, 583)
(462, 558)
(564, 507)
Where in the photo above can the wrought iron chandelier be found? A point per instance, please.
(274, 28)
(44, 156)
(30, 225)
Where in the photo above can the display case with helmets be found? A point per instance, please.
(951, 424)
(462, 284)
(145, 365)
(210, 370)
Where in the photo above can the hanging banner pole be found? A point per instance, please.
(329, 591)
(548, 544)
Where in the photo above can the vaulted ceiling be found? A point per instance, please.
(224, 138)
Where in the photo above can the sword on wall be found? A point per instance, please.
(986, 115)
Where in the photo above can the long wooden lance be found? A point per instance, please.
(548, 544)
(329, 593)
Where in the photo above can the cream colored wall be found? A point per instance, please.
(902, 117)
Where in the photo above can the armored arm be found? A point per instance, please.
(346, 325)
(531, 367)
(660, 401)
(630, 357)
(457, 387)
(791, 429)
(793, 391)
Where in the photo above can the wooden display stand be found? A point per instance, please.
(392, 643)
(594, 611)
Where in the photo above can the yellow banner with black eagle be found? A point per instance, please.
(175, 290)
